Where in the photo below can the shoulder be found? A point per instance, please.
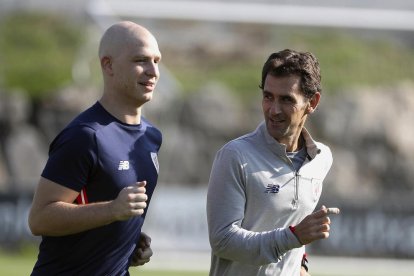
(244, 142)
(324, 157)
(73, 141)
(236, 145)
(239, 148)
(150, 127)
(88, 123)
(152, 131)
(76, 132)
(324, 150)
(76, 136)
(316, 148)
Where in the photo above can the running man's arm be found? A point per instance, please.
(53, 212)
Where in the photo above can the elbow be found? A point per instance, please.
(34, 225)
(221, 246)
(215, 244)
(35, 232)
(252, 250)
(33, 228)
(225, 243)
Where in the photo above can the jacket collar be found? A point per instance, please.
(311, 145)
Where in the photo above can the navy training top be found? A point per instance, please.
(98, 155)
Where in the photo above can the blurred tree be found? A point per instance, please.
(36, 52)
(36, 55)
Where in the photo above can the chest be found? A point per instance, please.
(278, 195)
(122, 160)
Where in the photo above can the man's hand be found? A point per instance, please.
(130, 202)
(315, 226)
(143, 251)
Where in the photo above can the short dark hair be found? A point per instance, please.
(289, 62)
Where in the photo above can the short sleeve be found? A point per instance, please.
(72, 157)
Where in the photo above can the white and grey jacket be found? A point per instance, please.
(254, 194)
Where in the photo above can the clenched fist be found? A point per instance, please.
(130, 202)
(315, 226)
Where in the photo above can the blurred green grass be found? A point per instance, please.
(18, 263)
(165, 273)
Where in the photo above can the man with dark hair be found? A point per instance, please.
(265, 185)
(91, 201)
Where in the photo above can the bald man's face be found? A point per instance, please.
(134, 68)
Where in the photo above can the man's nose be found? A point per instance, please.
(152, 70)
(275, 108)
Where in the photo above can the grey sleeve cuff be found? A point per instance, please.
(285, 240)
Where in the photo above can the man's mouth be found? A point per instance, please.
(276, 120)
(148, 84)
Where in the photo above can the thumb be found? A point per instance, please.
(142, 183)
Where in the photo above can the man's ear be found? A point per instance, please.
(313, 103)
(106, 65)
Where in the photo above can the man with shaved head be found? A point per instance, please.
(93, 194)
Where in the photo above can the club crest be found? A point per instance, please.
(154, 158)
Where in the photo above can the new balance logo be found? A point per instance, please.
(123, 165)
(272, 188)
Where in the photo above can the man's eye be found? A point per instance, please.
(287, 99)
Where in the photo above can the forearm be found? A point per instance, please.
(61, 218)
(54, 214)
(226, 203)
(256, 248)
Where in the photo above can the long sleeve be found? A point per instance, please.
(226, 202)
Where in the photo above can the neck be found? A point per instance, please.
(300, 144)
(125, 113)
(296, 144)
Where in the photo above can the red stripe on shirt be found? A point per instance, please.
(82, 198)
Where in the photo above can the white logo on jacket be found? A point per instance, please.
(317, 188)
(123, 165)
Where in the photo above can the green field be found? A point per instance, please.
(16, 264)
(19, 264)
(13, 264)
(165, 273)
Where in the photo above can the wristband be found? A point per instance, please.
(293, 230)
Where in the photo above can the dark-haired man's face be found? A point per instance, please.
(285, 109)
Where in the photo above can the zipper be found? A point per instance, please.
(295, 201)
